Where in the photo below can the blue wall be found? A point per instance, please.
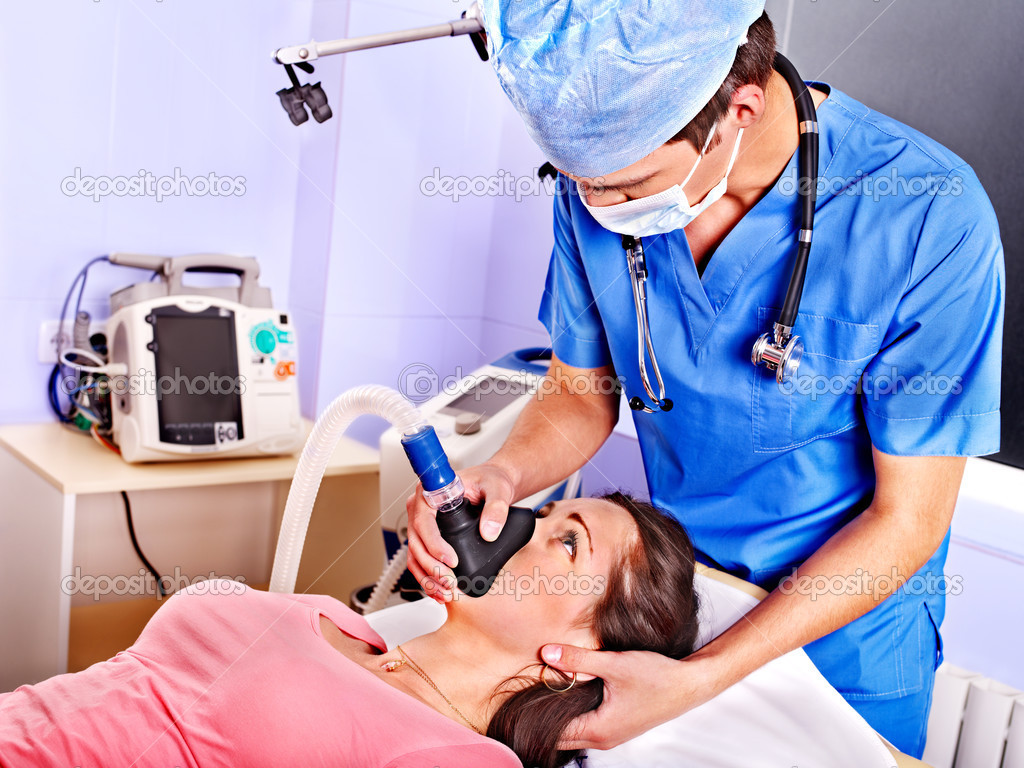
(381, 276)
(114, 88)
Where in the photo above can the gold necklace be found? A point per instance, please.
(391, 666)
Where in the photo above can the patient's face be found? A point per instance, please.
(545, 592)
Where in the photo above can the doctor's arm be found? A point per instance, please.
(573, 413)
(904, 525)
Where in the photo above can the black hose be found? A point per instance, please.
(807, 188)
(138, 550)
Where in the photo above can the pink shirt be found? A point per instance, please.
(224, 675)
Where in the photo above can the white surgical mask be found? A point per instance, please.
(666, 211)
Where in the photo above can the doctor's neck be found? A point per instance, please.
(769, 141)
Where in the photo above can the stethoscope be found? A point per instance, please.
(779, 351)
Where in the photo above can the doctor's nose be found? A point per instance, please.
(598, 197)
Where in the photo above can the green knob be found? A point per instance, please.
(265, 341)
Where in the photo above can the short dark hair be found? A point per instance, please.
(753, 65)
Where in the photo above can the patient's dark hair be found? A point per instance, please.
(649, 604)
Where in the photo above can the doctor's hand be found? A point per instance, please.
(641, 690)
(431, 558)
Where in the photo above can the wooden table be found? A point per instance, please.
(46, 468)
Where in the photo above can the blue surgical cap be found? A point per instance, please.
(603, 83)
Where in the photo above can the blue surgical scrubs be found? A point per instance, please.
(901, 319)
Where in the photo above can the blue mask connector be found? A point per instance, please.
(459, 521)
(441, 486)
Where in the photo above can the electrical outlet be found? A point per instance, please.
(48, 337)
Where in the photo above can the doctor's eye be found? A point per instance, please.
(568, 540)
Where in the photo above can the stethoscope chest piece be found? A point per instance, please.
(781, 354)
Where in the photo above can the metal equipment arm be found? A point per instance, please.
(469, 24)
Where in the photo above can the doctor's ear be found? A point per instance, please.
(747, 105)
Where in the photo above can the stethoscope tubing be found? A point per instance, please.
(638, 279)
(807, 158)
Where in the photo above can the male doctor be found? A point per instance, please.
(834, 492)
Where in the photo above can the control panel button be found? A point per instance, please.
(467, 423)
(265, 341)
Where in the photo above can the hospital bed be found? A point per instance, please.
(789, 714)
(784, 715)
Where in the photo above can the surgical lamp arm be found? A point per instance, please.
(468, 25)
(296, 99)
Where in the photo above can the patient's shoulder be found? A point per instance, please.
(199, 608)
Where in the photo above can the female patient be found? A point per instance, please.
(224, 675)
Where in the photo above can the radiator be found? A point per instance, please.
(975, 722)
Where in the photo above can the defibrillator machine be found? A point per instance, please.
(202, 372)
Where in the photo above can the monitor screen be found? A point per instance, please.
(199, 397)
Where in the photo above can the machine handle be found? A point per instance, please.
(246, 267)
(172, 268)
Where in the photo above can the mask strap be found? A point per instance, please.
(735, 152)
(707, 143)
